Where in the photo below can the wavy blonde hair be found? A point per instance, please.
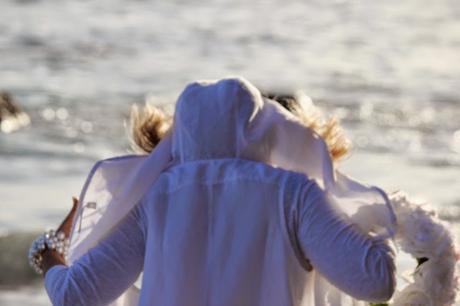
(149, 125)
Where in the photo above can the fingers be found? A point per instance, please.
(308, 266)
(75, 203)
(66, 225)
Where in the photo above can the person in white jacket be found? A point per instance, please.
(224, 221)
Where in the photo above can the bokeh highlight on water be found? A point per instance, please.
(390, 70)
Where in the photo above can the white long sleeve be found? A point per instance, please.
(351, 260)
(105, 271)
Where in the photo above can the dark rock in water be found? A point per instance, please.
(11, 115)
(14, 264)
(7, 105)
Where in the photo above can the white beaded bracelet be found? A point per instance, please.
(50, 240)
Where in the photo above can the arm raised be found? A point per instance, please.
(350, 259)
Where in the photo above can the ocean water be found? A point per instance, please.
(390, 70)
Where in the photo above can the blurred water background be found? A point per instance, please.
(390, 70)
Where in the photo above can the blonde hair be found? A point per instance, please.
(151, 124)
(148, 127)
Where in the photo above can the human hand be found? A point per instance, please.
(52, 257)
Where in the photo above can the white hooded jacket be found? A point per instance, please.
(216, 216)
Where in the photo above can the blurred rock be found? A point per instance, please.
(12, 117)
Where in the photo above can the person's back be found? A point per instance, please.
(216, 235)
(231, 232)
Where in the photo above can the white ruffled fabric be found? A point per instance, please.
(422, 235)
(254, 128)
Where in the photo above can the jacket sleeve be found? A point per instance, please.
(106, 271)
(350, 259)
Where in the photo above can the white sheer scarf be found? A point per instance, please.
(237, 122)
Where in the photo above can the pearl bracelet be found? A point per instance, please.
(50, 240)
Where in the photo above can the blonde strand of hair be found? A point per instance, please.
(148, 126)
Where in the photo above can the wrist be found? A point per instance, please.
(47, 250)
(51, 258)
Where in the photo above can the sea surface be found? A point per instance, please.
(389, 70)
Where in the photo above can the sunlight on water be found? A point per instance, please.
(388, 70)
